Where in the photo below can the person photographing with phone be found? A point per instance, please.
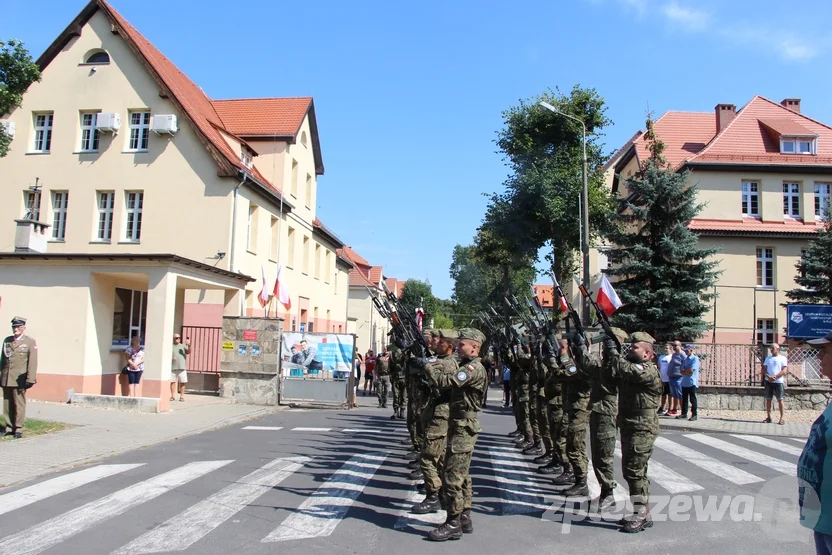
(178, 367)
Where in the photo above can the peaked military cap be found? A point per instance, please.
(453, 335)
(473, 334)
(641, 337)
(620, 334)
(18, 321)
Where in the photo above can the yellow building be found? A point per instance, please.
(165, 208)
(764, 175)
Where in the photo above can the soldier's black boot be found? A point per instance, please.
(401, 414)
(515, 433)
(429, 505)
(420, 487)
(605, 500)
(553, 467)
(393, 416)
(545, 458)
(638, 521)
(521, 439)
(416, 474)
(579, 489)
(466, 522)
(413, 456)
(535, 449)
(565, 479)
(450, 530)
(413, 465)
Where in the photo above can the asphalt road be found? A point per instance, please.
(319, 481)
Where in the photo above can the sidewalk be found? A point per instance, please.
(98, 433)
(733, 426)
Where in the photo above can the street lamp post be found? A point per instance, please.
(585, 211)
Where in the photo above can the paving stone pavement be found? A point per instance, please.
(98, 433)
(727, 425)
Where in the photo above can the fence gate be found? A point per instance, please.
(204, 359)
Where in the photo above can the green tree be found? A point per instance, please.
(665, 278)
(17, 72)
(814, 271)
(417, 294)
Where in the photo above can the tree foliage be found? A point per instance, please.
(665, 278)
(17, 72)
(814, 270)
(417, 294)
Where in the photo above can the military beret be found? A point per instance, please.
(641, 337)
(18, 321)
(450, 335)
(473, 334)
(620, 334)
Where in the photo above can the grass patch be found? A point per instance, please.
(36, 427)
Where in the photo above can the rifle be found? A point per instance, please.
(603, 319)
(570, 310)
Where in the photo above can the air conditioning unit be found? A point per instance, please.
(164, 124)
(108, 122)
(8, 128)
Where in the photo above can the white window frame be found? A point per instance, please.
(133, 216)
(138, 139)
(60, 201)
(138, 307)
(766, 331)
(765, 260)
(792, 145)
(43, 132)
(90, 136)
(251, 228)
(31, 208)
(245, 159)
(822, 193)
(750, 191)
(791, 200)
(105, 202)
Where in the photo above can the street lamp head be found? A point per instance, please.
(547, 106)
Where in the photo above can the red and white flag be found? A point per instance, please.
(281, 292)
(607, 298)
(419, 315)
(562, 303)
(263, 297)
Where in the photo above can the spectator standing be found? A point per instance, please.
(690, 382)
(506, 386)
(815, 464)
(18, 372)
(774, 377)
(134, 357)
(358, 361)
(178, 371)
(664, 360)
(369, 368)
(674, 378)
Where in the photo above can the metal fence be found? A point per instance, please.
(203, 362)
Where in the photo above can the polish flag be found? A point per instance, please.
(263, 297)
(562, 303)
(281, 292)
(607, 298)
(419, 315)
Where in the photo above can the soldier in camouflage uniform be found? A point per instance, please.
(415, 396)
(423, 404)
(523, 365)
(603, 406)
(555, 390)
(543, 450)
(639, 391)
(432, 459)
(536, 446)
(467, 388)
(398, 359)
(382, 371)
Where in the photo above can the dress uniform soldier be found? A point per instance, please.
(18, 372)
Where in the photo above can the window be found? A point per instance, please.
(765, 331)
(306, 255)
(328, 266)
(60, 199)
(791, 200)
(246, 158)
(251, 234)
(317, 262)
(31, 203)
(139, 131)
(89, 134)
(99, 57)
(274, 239)
(106, 199)
(751, 199)
(134, 202)
(43, 132)
(798, 145)
(294, 189)
(303, 138)
(129, 316)
(765, 267)
(308, 191)
(822, 193)
(291, 253)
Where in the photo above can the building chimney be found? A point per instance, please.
(792, 104)
(724, 114)
(30, 236)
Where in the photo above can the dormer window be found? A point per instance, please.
(798, 145)
(246, 158)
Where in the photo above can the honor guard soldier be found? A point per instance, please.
(18, 372)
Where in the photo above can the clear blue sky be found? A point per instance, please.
(409, 97)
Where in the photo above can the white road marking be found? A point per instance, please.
(264, 428)
(667, 478)
(516, 496)
(721, 469)
(302, 429)
(320, 514)
(771, 444)
(801, 441)
(407, 519)
(41, 537)
(788, 468)
(364, 431)
(12, 501)
(188, 527)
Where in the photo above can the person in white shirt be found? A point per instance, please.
(664, 360)
(773, 375)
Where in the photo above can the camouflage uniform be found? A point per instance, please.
(432, 458)
(523, 365)
(639, 390)
(382, 371)
(577, 408)
(542, 411)
(534, 390)
(555, 394)
(398, 359)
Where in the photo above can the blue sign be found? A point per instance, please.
(808, 321)
(255, 350)
(241, 350)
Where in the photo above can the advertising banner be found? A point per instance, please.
(317, 355)
(809, 321)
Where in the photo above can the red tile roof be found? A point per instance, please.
(684, 134)
(375, 275)
(545, 294)
(357, 279)
(355, 258)
(263, 117)
(753, 226)
(318, 225)
(392, 285)
(620, 152)
(784, 126)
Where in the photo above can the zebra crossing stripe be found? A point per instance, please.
(320, 514)
(747, 454)
(364, 431)
(801, 441)
(15, 500)
(41, 537)
(723, 470)
(407, 519)
(193, 524)
(592, 481)
(264, 428)
(302, 429)
(771, 444)
(667, 478)
(516, 496)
